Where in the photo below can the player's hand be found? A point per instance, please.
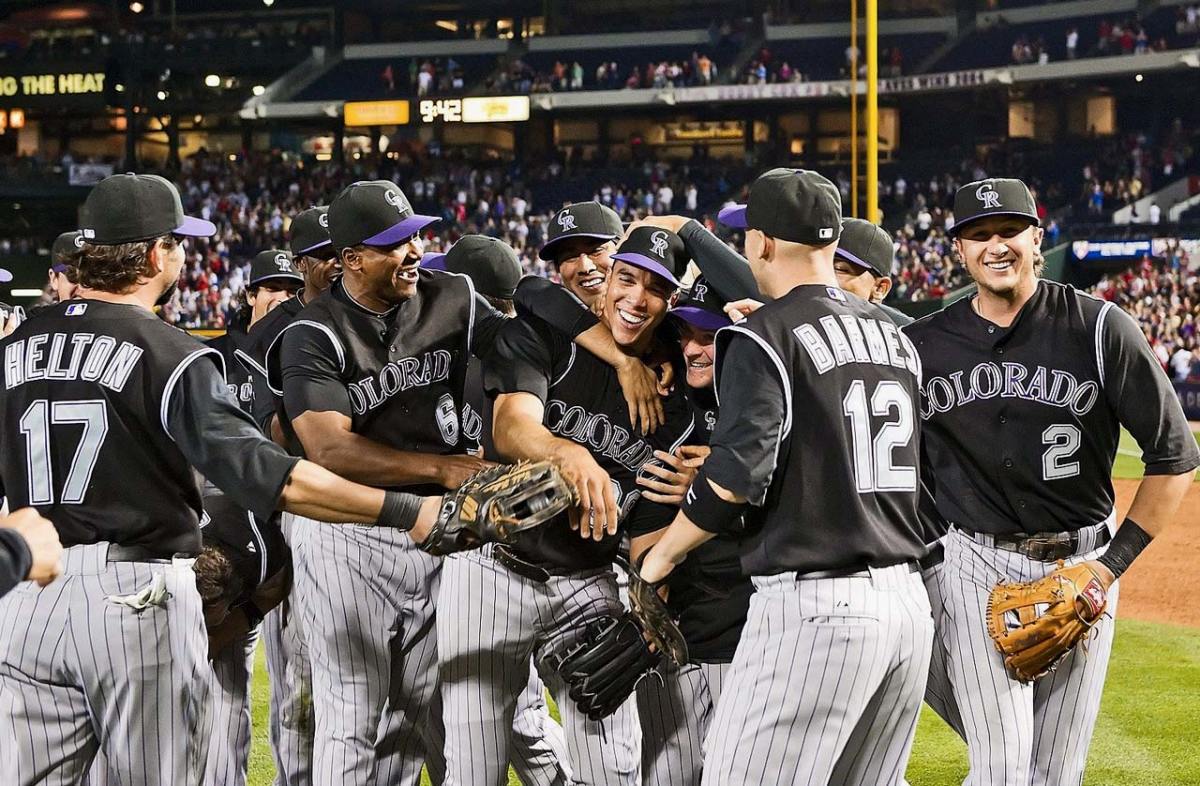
(597, 514)
(1107, 579)
(738, 310)
(667, 484)
(11, 323)
(639, 385)
(43, 542)
(672, 223)
(666, 378)
(453, 471)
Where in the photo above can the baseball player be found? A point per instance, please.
(502, 605)
(1026, 387)
(372, 372)
(580, 242)
(113, 409)
(64, 267)
(290, 717)
(819, 395)
(29, 550)
(242, 572)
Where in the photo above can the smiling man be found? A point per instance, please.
(1026, 386)
(581, 242)
(539, 596)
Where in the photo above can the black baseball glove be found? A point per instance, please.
(496, 503)
(603, 669)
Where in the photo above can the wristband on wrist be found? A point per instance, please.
(399, 510)
(707, 510)
(1126, 545)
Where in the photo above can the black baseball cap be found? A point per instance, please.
(995, 196)
(373, 213)
(582, 219)
(492, 264)
(796, 205)
(310, 232)
(660, 251)
(435, 260)
(65, 246)
(867, 246)
(273, 265)
(128, 208)
(702, 306)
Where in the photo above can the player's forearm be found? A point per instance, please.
(316, 493)
(363, 460)
(599, 341)
(518, 437)
(672, 548)
(1158, 499)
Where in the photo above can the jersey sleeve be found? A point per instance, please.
(1138, 390)
(310, 370)
(487, 325)
(553, 304)
(725, 269)
(522, 362)
(745, 443)
(222, 442)
(15, 560)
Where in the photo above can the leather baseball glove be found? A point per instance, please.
(496, 503)
(1034, 624)
(614, 654)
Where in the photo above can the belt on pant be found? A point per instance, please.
(935, 557)
(1044, 546)
(850, 573)
(139, 554)
(505, 556)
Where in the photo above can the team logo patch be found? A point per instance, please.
(396, 200)
(986, 194)
(78, 241)
(283, 263)
(323, 220)
(447, 419)
(76, 309)
(698, 292)
(836, 293)
(566, 221)
(658, 243)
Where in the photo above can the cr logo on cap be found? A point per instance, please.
(78, 241)
(283, 263)
(396, 200)
(986, 194)
(698, 292)
(658, 243)
(323, 220)
(566, 221)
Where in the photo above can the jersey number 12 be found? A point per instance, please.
(873, 467)
(35, 426)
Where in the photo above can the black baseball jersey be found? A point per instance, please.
(1021, 424)
(584, 404)
(241, 368)
(107, 410)
(819, 394)
(709, 594)
(268, 392)
(477, 413)
(399, 375)
(254, 546)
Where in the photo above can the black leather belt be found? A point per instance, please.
(935, 557)
(139, 554)
(505, 556)
(1047, 546)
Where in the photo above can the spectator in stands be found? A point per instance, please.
(1072, 42)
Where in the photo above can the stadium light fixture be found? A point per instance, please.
(212, 80)
(162, 95)
(16, 118)
(120, 88)
(136, 7)
(268, 3)
(26, 292)
(1138, 78)
(258, 90)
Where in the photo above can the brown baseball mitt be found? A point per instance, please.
(1034, 624)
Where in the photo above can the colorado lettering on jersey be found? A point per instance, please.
(89, 357)
(1008, 380)
(846, 339)
(243, 392)
(398, 376)
(597, 432)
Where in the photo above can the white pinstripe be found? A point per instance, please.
(79, 673)
(1014, 732)
(229, 742)
(939, 694)
(676, 714)
(828, 677)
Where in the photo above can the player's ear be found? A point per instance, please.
(1038, 234)
(883, 285)
(351, 258)
(768, 248)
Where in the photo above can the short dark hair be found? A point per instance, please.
(117, 268)
(502, 304)
(216, 579)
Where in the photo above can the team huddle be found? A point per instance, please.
(736, 516)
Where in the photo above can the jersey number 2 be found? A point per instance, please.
(1063, 440)
(873, 467)
(35, 426)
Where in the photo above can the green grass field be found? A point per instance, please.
(1143, 736)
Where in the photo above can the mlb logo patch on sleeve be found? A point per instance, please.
(76, 309)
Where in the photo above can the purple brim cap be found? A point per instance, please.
(434, 261)
(311, 249)
(846, 255)
(58, 267)
(733, 216)
(402, 231)
(195, 227)
(5, 276)
(646, 263)
(701, 318)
